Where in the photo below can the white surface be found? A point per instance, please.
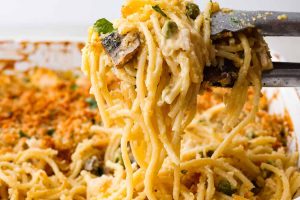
(69, 19)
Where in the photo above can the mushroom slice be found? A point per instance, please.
(121, 48)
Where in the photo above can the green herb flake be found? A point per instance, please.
(103, 26)
(225, 187)
(159, 10)
(91, 102)
(73, 87)
(192, 10)
(234, 20)
(22, 134)
(271, 162)
(170, 29)
(184, 171)
(50, 131)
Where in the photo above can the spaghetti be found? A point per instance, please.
(155, 98)
(89, 164)
(157, 139)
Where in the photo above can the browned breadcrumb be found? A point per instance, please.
(49, 106)
(271, 124)
(52, 108)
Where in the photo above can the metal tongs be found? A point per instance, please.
(268, 23)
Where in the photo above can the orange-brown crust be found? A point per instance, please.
(50, 106)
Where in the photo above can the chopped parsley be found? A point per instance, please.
(234, 20)
(22, 134)
(74, 87)
(225, 187)
(103, 26)
(170, 29)
(192, 10)
(271, 162)
(91, 102)
(159, 10)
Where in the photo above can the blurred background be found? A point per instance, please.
(69, 19)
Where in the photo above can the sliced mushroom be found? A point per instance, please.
(121, 48)
(224, 76)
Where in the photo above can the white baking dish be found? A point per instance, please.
(287, 101)
(62, 55)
